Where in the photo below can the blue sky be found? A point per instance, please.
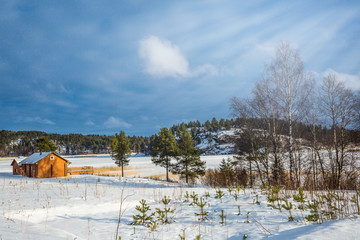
(98, 67)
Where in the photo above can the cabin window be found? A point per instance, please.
(51, 157)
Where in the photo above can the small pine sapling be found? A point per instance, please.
(288, 206)
(152, 226)
(239, 212)
(230, 189)
(195, 199)
(256, 200)
(300, 199)
(219, 194)
(223, 217)
(247, 218)
(187, 196)
(202, 214)
(238, 188)
(164, 214)
(314, 210)
(142, 218)
(273, 196)
(207, 195)
(182, 237)
(236, 196)
(331, 208)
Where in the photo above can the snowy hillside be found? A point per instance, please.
(216, 143)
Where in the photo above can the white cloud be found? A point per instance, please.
(162, 58)
(35, 120)
(113, 122)
(65, 104)
(350, 80)
(89, 123)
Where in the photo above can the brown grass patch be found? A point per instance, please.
(163, 176)
(116, 171)
(101, 170)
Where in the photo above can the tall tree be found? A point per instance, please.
(120, 149)
(291, 89)
(338, 104)
(188, 164)
(164, 149)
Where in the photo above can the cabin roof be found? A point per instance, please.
(14, 162)
(35, 157)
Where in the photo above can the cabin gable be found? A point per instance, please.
(51, 166)
(17, 169)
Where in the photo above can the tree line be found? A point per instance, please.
(23, 143)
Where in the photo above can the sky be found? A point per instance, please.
(98, 67)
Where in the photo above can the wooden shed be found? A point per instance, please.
(43, 165)
(17, 169)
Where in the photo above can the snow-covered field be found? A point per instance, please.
(87, 207)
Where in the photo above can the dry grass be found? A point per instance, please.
(101, 170)
(163, 176)
(116, 171)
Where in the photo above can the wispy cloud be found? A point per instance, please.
(66, 104)
(35, 120)
(350, 80)
(113, 122)
(89, 123)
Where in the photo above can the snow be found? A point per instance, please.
(34, 158)
(87, 207)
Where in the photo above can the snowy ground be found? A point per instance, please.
(87, 207)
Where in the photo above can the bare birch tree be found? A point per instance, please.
(291, 89)
(338, 106)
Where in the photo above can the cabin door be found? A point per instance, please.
(32, 171)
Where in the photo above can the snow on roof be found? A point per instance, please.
(34, 158)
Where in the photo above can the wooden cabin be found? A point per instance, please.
(42, 165)
(17, 169)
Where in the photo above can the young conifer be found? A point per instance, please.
(164, 150)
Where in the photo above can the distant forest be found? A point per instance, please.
(23, 143)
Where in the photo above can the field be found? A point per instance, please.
(91, 206)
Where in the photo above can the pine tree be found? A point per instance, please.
(215, 125)
(120, 149)
(164, 149)
(207, 125)
(45, 145)
(188, 164)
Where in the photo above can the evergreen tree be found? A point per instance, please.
(215, 126)
(164, 149)
(222, 123)
(189, 165)
(207, 125)
(227, 124)
(45, 145)
(120, 148)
